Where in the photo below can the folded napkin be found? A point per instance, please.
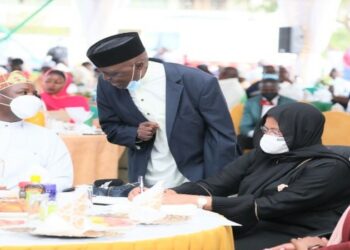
(151, 197)
(146, 206)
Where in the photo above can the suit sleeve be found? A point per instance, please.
(221, 147)
(116, 130)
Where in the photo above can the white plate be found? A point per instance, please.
(8, 194)
(91, 234)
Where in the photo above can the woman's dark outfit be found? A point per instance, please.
(294, 194)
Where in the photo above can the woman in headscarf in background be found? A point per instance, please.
(55, 94)
(289, 186)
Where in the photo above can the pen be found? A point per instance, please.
(141, 183)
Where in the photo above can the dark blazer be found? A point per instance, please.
(199, 129)
(252, 112)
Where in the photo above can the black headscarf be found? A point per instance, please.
(302, 126)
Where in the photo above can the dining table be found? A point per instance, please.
(203, 231)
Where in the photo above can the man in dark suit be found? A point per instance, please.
(173, 118)
(257, 106)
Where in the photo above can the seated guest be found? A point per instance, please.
(55, 94)
(287, 87)
(230, 86)
(342, 100)
(254, 89)
(204, 68)
(27, 149)
(289, 186)
(340, 238)
(257, 106)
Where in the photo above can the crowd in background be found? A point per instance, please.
(61, 86)
(330, 92)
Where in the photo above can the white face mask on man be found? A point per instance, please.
(24, 106)
(272, 144)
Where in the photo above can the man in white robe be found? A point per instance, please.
(27, 149)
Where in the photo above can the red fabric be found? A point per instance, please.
(62, 99)
(341, 246)
(346, 58)
(345, 242)
(54, 102)
(346, 229)
(264, 102)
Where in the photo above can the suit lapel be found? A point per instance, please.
(173, 93)
(258, 109)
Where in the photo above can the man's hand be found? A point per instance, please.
(146, 130)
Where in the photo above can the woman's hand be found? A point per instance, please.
(302, 244)
(285, 246)
(169, 191)
(135, 192)
(308, 243)
(172, 198)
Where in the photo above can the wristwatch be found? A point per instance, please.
(201, 202)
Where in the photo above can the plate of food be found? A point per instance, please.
(10, 205)
(8, 223)
(13, 215)
(13, 194)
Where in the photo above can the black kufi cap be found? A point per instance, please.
(115, 49)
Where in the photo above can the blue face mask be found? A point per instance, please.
(134, 84)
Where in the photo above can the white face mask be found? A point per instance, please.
(24, 106)
(271, 144)
(134, 84)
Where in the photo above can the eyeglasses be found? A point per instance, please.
(271, 131)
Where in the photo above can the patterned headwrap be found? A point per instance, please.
(15, 77)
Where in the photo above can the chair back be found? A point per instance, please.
(236, 116)
(337, 128)
(341, 150)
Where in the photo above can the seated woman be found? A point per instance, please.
(289, 186)
(340, 238)
(55, 94)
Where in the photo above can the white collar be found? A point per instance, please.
(152, 72)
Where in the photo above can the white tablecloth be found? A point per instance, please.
(201, 221)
